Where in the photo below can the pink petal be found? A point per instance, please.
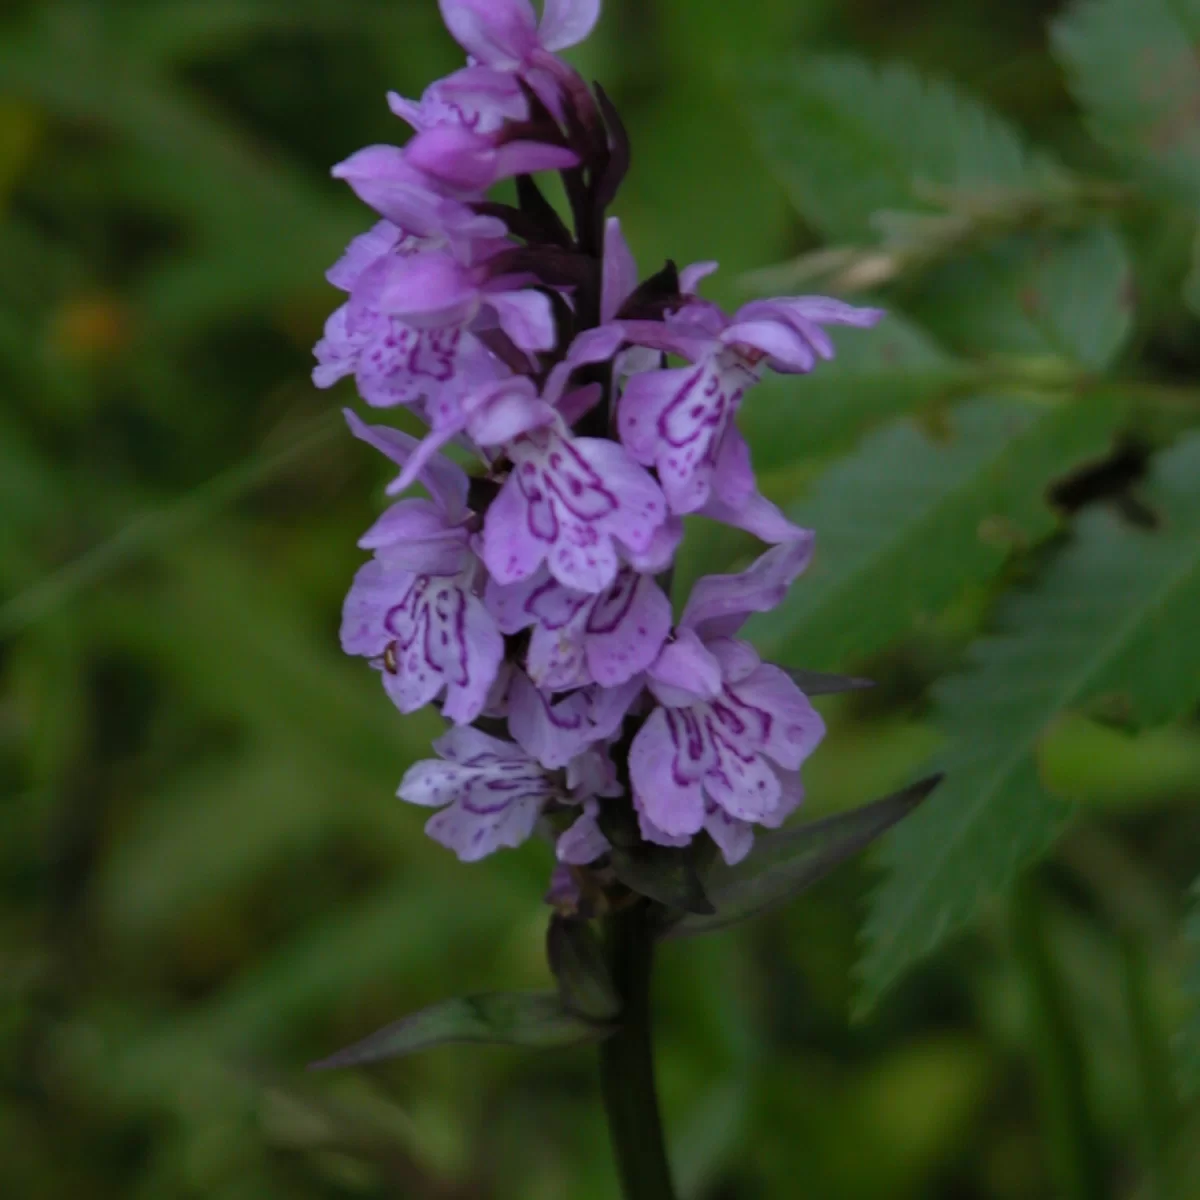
(508, 545)
(738, 659)
(690, 276)
(432, 783)
(660, 553)
(429, 290)
(583, 842)
(757, 515)
(499, 33)
(775, 339)
(556, 660)
(527, 317)
(473, 835)
(528, 158)
(795, 728)
(337, 353)
(567, 22)
(591, 346)
(720, 604)
(465, 744)
(734, 838)
(625, 629)
(404, 521)
(364, 612)
(743, 784)
(642, 508)
(447, 481)
(685, 672)
(362, 251)
(619, 272)
(482, 653)
(672, 802)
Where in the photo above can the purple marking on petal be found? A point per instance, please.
(612, 607)
(554, 606)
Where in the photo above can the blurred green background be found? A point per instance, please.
(205, 879)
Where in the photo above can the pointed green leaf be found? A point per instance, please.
(849, 141)
(786, 862)
(868, 155)
(1115, 613)
(662, 873)
(1187, 1043)
(818, 683)
(577, 960)
(535, 1019)
(1132, 66)
(907, 522)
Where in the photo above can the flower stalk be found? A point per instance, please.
(627, 1062)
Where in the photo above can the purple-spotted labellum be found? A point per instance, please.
(528, 597)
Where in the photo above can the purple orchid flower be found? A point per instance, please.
(424, 187)
(680, 419)
(393, 363)
(580, 638)
(722, 750)
(466, 164)
(507, 34)
(557, 731)
(477, 98)
(382, 177)
(414, 607)
(436, 290)
(590, 776)
(569, 503)
(490, 792)
(541, 606)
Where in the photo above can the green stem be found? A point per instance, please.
(1153, 1060)
(627, 1064)
(1072, 1142)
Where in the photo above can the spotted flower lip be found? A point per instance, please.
(579, 638)
(722, 750)
(531, 601)
(490, 792)
(571, 503)
(557, 731)
(413, 608)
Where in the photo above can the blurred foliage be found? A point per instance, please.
(206, 879)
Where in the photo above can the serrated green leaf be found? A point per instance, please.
(875, 376)
(1063, 295)
(535, 1019)
(849, 140)
(1187, 1042)
(786, 862)
(906, 522)
(1115, 612)
(1132, 66)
